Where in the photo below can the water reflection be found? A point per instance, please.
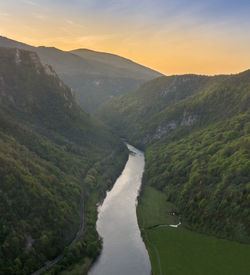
(123, 249)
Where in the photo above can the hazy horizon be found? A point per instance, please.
(172, 37)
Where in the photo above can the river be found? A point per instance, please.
(123, 249)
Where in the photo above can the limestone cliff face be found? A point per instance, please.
(21, 70)
(187, 120)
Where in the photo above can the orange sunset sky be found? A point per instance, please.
(173, 37)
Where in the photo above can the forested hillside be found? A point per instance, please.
(197, 138)
(49, 148)
(206, 175)
(137, 110)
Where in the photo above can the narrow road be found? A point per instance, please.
(49, 264)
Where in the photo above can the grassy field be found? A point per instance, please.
(177, 251)
(153, 209)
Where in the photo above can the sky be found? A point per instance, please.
(171, 36)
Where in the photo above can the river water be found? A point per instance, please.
(124, 252)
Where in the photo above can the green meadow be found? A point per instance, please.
(153, 208)
(178, 251)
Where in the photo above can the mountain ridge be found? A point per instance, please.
(93, 80)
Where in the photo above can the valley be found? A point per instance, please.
(58, 162)
(195, 133)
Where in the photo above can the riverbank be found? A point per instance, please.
(178, 251)
(86, 248)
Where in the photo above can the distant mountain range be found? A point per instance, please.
(49, 149)
(94, 76)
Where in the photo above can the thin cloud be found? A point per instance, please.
(40, 16)
(4, 14)
(32, 3)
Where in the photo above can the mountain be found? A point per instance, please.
(140, 111)
(119, 66)
(95, 77)
(195, 131)
(49, 151)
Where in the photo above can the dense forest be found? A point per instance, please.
(207, 176)
(137, 110)
(49, 149)
(195, 131)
